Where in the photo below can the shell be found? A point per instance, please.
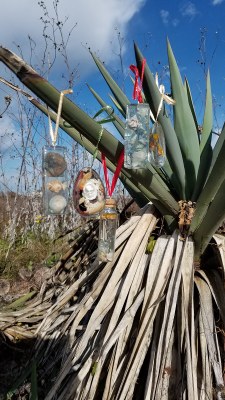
(90, 190)
(56, 186)
(88, 193)
(85, 176)
(57, 204)
(133, 122)
(54, 164)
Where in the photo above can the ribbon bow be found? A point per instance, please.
(164, 97)
(137, 88)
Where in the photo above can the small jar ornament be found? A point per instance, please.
(108, 224)
(157, 147)
(54, 169)
(88, 193)
(136, 138)
(55, 186)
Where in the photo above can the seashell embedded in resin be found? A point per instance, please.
(88, 193)
(57, 204)
(133, 122)
(90, 190)
(56, 186)
(54, 164)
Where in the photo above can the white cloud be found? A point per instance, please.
(165, 16)
(175, 22)
(96, 22)
(8, 137)
(189, 10)
(217, 2)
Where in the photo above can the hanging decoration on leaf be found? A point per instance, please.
(109, 216)
(54, 170)
(157, 145)
(89, 192)
(136, 138)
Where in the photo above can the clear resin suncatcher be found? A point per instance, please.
(55, 185)
(157, 147)
(88, 193)
(136, 139)
(107, 231)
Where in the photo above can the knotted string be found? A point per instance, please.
(138, 87)
(164, 97)
(54, 134)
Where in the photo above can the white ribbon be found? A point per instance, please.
(54, 134)
(164, 97)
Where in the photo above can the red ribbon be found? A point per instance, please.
(111, 188)
(137, 88)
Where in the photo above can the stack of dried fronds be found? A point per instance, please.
(140, 327)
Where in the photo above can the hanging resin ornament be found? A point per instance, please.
(136, 139)
(108, 224)
(157, 147)
(55, 187)
(88, 193)
(54, 169)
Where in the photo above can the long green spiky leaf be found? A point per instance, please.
(184, 125)
(190, 101)
(116, 104)
(153, 97)
(208, 117)
(209, 225)
(205, 144)
(215, 180)
(117, 92)
(217, 147)
(205, 162)
(118, 123)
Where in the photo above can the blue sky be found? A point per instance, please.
(197, 34)
(195, 29)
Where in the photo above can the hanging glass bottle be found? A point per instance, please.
(157, 147)
(55, 187)
(136, 139)
(107, 231)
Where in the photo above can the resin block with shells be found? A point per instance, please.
(55, 180)
(157, 146)
(136, 138)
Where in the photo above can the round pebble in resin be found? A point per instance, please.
(54, 164)
(57, 204)
(88, 193)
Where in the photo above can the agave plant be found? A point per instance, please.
(154, 317)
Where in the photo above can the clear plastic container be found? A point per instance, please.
(108, 224)
(136, 138)
(55, 181)
(157, 146)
